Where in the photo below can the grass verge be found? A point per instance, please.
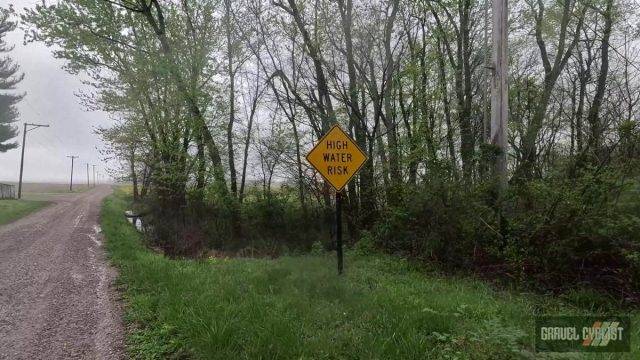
(11, 210)
(297, 307)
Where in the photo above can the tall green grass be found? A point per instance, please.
(298, 308)
(11, 210)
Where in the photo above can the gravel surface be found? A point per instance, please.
(57, 299)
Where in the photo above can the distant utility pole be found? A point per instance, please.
(88, 184)
(94, 175)
(499, 89)
(24, 142)
(72, 157)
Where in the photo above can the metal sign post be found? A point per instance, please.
(339, 230)
(338, 159)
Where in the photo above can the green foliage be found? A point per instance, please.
(317, 249)
(438, 222)
(366, 245)
(556, 233)
(589, 299)
(488, 153)
(629, 133)
(9, 78)
(573, 232)
(262, 225)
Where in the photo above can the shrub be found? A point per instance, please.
(556, 233)
(573, 232)
(441, 222)
(366, 245)
(268, 225)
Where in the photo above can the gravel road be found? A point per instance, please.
(56, 289)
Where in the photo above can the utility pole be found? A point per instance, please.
(486, 77)
(499, 90)
(72, 157)
(94, 175)
(88, 185)
(24, 142)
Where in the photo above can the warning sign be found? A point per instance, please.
(337, 157)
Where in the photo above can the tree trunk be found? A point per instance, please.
(395, 176)
(595, 137)
(232, 102)
(524, 170)
(356, 119)
(247, 143)
(467, 136)
(192, 105)
(296, 138)
(202, 163)
(134, 177)
(442, 77)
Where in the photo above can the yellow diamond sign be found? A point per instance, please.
(337, 157)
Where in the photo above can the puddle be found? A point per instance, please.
(135, 221)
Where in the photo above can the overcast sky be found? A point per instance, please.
(50, 100)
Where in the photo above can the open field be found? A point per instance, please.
(34, 197)
(11, 210)
(44, 191)
(297, 307)
(48, 188)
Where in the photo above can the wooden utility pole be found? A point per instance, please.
(24, 142)
(499, 89)
(72, 157)
(486, 77)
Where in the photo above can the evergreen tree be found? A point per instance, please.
(9, 78)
